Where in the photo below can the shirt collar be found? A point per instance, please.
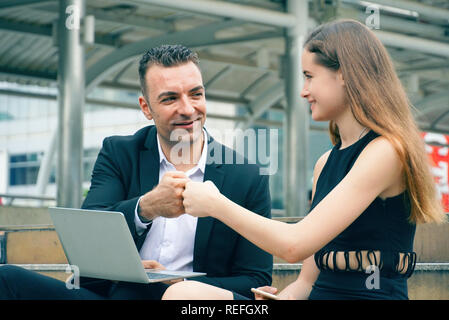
(201, 165)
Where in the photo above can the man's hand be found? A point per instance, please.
(153, 264)
(165, 199)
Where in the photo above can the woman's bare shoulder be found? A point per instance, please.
(321, 162)
(385, 147)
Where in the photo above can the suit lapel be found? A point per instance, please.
(149, 163)
(215, 173)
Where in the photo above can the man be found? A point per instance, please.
(143, 176)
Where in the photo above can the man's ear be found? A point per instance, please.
(145, 107)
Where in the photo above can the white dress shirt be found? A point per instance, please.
(171, 241)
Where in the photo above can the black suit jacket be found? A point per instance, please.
(128, 167)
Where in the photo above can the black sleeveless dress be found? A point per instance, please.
(383, 227)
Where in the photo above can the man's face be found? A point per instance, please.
(176, 101)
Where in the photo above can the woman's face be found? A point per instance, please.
(323, 89)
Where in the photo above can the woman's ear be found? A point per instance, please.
(145, 107)
(340, 77)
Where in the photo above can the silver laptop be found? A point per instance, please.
(100, 245)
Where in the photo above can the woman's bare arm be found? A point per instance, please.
(376, 169)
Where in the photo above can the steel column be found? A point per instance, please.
(296, 146)
(71, 82)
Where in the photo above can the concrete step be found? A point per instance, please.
(31, 245)
(37, 246)
(19, 216)
(428, 282)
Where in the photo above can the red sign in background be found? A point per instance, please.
(437, 148)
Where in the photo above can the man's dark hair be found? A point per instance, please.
(167, 56)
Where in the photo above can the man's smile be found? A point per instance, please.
(185, 124)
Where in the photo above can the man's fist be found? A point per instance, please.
(165, 199)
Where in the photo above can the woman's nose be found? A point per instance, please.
(304, 92)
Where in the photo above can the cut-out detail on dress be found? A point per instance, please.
(397, 263)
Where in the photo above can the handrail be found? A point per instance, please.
(26, 196)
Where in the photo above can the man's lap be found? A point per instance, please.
(19, 283)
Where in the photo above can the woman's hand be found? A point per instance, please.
(201, 199)
(268, 289)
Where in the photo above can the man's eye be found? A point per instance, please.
(168, 99)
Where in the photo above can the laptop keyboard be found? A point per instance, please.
(155, 275)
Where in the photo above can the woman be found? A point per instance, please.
(370, 190)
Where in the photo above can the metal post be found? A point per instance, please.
(4, 171)
(297, 116)
(71, 82)
(45, 167)
(412, 86)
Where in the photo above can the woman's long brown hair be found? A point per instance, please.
(378, 101)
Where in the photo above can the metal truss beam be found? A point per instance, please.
(196, 37)
(262, 103)
(46, 31)
(228, 10)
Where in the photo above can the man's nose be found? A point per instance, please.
(186, 107)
